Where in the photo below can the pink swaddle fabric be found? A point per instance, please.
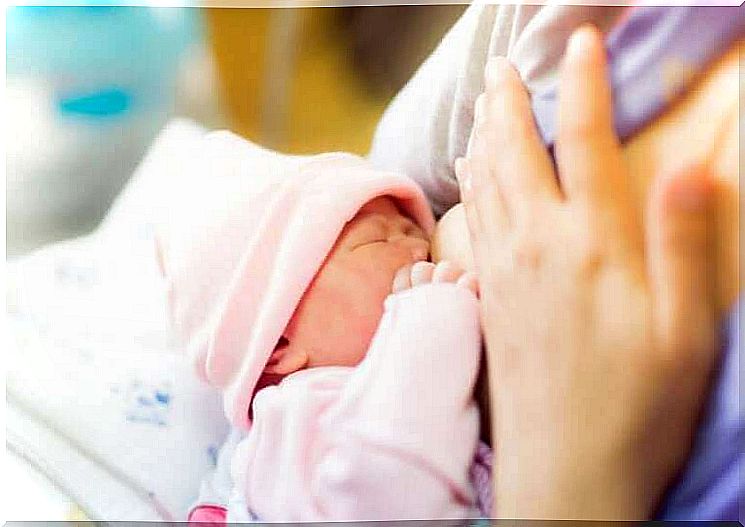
(393, 438)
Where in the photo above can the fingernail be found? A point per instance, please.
(479, 113)
(497, 69)
(459, 168)
(581, 42)
(463, 174)
(467, 186)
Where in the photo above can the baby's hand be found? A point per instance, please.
(422, 273)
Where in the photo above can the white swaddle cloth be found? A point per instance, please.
(96, 400)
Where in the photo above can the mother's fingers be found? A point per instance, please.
(519, 161)
(680, 264)
(485, 214)
(588, 154)
(478, 187)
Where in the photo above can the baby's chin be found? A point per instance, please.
(450, 241)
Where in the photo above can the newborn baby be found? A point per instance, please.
(299, 286)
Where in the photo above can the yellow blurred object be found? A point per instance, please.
(287, 80)
(76, 514)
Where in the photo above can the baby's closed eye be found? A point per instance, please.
(371, 233)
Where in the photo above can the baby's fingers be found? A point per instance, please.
(402, 279)
(446, 272)
(469, 281)
(421, 273)
(413, 275)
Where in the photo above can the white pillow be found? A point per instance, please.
(97, 400)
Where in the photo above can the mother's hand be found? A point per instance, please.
(599, 348)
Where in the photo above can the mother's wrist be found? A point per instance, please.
(534, 489)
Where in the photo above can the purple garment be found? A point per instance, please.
(480, 473)
(653, 53)
(711, 486)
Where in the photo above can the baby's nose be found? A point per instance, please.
(418, 248)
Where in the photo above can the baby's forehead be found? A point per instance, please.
(384, 205)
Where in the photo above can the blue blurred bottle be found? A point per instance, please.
(89, 86)
(102, 61)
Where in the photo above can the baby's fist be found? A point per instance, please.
(422, 273)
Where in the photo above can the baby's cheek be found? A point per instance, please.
(363, 319)
(350, 345)
(345, 323)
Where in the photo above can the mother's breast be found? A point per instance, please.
(451, 241)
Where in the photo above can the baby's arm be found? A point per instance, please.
(405, 427)
(393, 438)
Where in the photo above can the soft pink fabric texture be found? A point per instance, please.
(246, 234)
(393, 438)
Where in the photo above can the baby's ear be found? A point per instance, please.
(286, 359)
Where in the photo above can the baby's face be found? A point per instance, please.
(339, 313)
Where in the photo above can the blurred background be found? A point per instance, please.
(88, 89)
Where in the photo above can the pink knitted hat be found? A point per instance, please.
(248, 232)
